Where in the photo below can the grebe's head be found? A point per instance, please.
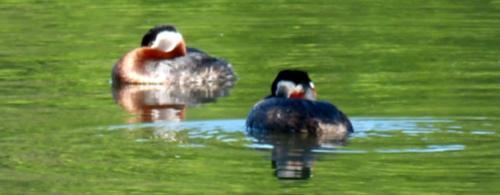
(163, 37)
(293, 84)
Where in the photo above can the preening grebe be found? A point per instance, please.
(292, 107)
(165, 59)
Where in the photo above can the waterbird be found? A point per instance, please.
(292, 108)
(163, 58)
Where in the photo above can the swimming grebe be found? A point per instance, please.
(292, 107)
(165, 59)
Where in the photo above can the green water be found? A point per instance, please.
(420, 79)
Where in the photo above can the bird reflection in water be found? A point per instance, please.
(292, 154)
(151, 103)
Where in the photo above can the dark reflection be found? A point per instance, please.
(292, 154)
(150, 103)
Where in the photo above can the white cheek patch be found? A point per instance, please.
(298, 88)
(311, 93)
(284, 88)
(311, 84)
(167, 40)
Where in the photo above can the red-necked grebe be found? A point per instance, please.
(292, 108)
(165, 59)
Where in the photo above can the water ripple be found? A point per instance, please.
(365, 127)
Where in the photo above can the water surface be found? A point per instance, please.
(420, 80)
